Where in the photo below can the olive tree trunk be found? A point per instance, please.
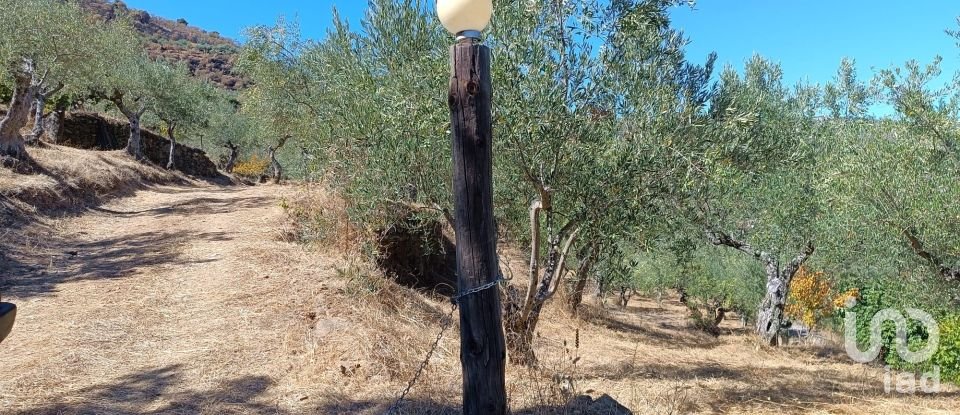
(587, 257)
(770, 313)
(134, 142)
(42, 95)
(275, 167)
(626, 293)
(171, 126)
(276, 170)
(232, 158)
(520, 322)
(11, 141)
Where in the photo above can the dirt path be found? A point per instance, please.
(159, 303)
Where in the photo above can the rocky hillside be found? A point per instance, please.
(209, 55)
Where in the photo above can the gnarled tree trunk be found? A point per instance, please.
(684, 297)
(588, 255)
(11, 141)
(171, 126)
(719, 314)
(626, 293)
(42, 95)
(770, 313)
(276, 170)
(520, 323)
(134, 142)
(232, 158)
(275, 167)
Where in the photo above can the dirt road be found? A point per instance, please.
(159, 303)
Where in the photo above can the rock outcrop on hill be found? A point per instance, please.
(208, 54)
(92, 131)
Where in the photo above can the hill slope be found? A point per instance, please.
(209, 55)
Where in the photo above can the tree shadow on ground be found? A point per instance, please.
(40, 270)
(808, 392)
(675, 338)
(733, 387)
(68, 198)
(41, 258)
(203, 206)
(160, 391)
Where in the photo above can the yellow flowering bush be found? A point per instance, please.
(811, 297)
(253, 166)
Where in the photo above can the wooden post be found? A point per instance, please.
(482, 349)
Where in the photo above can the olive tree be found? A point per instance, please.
(45, 45)
(283, 104)
(179, 100)
(372, 106)
(893, 181)
(580, 160)
(126, 78)
(593, 98)
(757, 187)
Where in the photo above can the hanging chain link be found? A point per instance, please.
(423, 365)
(455, 300)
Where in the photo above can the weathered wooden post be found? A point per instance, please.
(482, 349)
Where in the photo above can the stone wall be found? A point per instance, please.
(92, 131)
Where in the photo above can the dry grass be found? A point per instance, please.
(318, 216)
(68, 178)
(183, 300)
(371, 334)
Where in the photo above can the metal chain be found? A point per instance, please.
(455, 300)
(423, 365)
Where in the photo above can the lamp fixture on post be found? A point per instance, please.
(482, 347)
(465, 18)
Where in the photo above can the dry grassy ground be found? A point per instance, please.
(66, 178)
(189, 299)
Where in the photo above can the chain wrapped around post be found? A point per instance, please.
(454, 300)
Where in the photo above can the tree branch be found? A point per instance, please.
(798, 261)
(534, 268)
(558, 268)
(949, 274)
(421, 206)
(720, 238)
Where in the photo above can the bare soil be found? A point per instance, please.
(192, 299)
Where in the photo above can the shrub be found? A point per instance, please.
(253, 166)
(844, 298)
(948, 354)
(810, 299)
(874, 298)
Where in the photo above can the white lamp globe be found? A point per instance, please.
(465, 17)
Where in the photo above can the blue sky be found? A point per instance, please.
(807, 37)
